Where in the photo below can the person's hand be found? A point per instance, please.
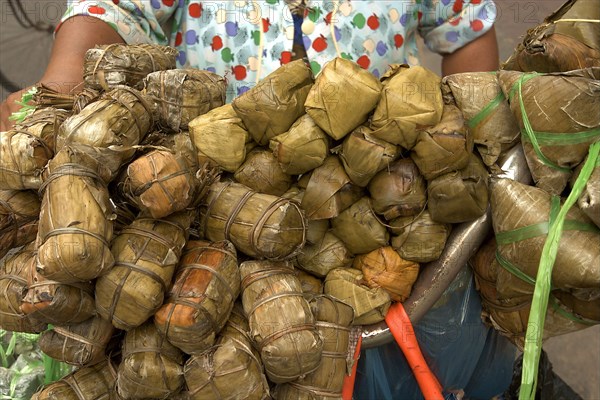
(8, 107)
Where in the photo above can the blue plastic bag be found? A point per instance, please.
(462, 352)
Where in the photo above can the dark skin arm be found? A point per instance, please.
(478, 55)
(65, 68)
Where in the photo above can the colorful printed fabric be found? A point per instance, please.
(224, 36)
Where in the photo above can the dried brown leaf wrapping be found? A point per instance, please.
(491, 124)
(282, 325)
(14, 272)
(271, 107)
(459, 196)
(359, 228)
(221, 137)
(419, 238)
(107, 66)
(348, 285)
(110, 128)
(88, 383)
(562, 109)
(206, 285)
(233, 359)
(259, 225)
(329, 191)
(363, 155)
(333, 322)
(515, 205)
(385, 268)
(75, 226)
(146, 255)
(19, 213)
(336, 113)
(151, 366)
(302, 148)
(399, 190)
(322, 257)
(411, 97)
(27, 148)
(262, 173)
(568, 39)
(79, 344)
(180, 95)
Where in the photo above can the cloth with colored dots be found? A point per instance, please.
(223, 36)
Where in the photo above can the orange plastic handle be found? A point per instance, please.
(402, 330)
(348, 387)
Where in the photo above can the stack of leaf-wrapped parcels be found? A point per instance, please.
(181, 247)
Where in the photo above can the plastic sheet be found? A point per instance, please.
(461, 351)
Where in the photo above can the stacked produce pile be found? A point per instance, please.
(558, 115)
(183, 243)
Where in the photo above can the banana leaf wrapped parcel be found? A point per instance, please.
(14, 271)
(589, 201)
(27, 148)
(459, 196)
(146, 255)
(518, 207)
(165, 181)
(334, 318)
(410, 97)
(444, 147)
(398, 191)
(568, 39)
(94, 382)
(348, 285)
(322, 257)
(329, 191)
(75, 226)
(559, 120)
(107, 66)
(221, 137)
(262, 173)
(151, 368)
(282, 325)
(486, 111)
(302, 148)
(364, 155)
(57, 303)
(315, 228)
(419, 238)
(385, 268)
(79, 344)
(110, 127)
(180, 95)
(259, 225)
(335, 113)
(271, 107)
(232, 359)
(359, 228)
(19, 213)
(310, 284)
(207, 283)
(510, 315)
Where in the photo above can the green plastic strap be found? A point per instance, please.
(565, 139)
(540, 229)
(510, 267)
(539, 304)
(485, 111)
(559, 310)
(530, 134)
(513, 269)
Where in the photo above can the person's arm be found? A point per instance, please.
(65, 68)
(478, 55)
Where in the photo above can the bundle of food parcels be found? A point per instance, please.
(177, 244)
